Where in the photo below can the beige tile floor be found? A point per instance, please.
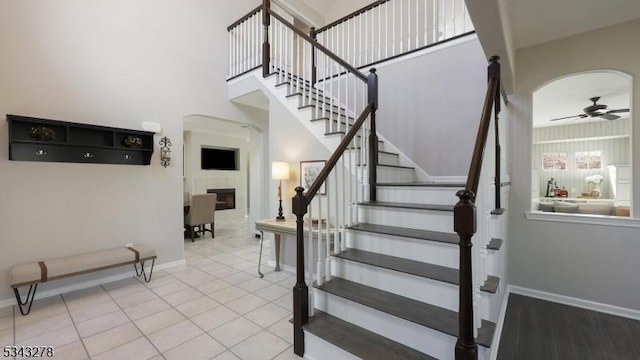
(214, 307)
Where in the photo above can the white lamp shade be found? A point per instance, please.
(280, 170)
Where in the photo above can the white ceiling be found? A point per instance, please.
(537, 21)
(254, 99)
(570, 95)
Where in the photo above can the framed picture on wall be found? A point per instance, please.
(556, 161)
(309, 171)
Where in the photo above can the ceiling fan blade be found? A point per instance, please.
(609, 116)
(617, 111)
(582, 116)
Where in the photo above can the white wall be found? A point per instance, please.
(435, 96)
(114, 63)
(597, 263)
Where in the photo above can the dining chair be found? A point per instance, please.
(201, 212)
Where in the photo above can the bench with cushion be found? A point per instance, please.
(42, 271)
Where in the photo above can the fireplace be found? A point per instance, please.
(226, 198)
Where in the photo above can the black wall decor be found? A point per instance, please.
(35, 139)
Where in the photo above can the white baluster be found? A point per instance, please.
(336, 240)
(300, 72)
(360, 41)
(345, 205)
(251, 41)
(230, 69)
(379, 43)
(234, 52)
(386, 29)
(304, 77)
(349, 177)
(325, 73)
(327, 266)
(319, 270)
(417, 24)
(393, 28)
(243, 27)
(401, 28)
(310, 264)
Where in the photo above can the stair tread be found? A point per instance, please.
(358, 341)
(437, 207)
(421, 313)
(495, 244)
(491, 284)
(449, 238)
(413, 267)
(418, 268)
(422, 184)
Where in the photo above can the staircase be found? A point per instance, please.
(387, 286)
(397, 279)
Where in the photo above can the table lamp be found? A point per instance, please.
(280, 171)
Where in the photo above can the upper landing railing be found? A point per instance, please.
(390, 28)
(380, 31)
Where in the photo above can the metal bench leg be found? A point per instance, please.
(28, 300)
(260, 258)
(142, 272)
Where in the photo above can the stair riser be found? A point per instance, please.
(409, 218)
(316, 348)
(433, 252)
(391, 174)
(303, 101)
(426, 290)
(424, 339)
(418, 195)
(384, 158)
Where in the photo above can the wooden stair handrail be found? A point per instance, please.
(352, 15)
(245, 17)
(321, 47)
(491, 96)
(333, 160)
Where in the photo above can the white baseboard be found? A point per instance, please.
(495, 342)
(572, 301)
(170, 264)
(88, 284)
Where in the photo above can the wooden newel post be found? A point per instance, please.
(372, 90)
(464, 224)
(314, 69)
(266, 47)
(300, 289)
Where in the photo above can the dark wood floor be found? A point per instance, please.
(537, 329)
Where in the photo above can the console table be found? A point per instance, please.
(280, 228)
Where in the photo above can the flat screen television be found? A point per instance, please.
(218, 159)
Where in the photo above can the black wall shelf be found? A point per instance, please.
(35, 139)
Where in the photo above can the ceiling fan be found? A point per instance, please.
(596, 110)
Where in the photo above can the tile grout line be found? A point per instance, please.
(84, 346)
(134, 324)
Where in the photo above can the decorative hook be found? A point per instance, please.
(165, 151)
